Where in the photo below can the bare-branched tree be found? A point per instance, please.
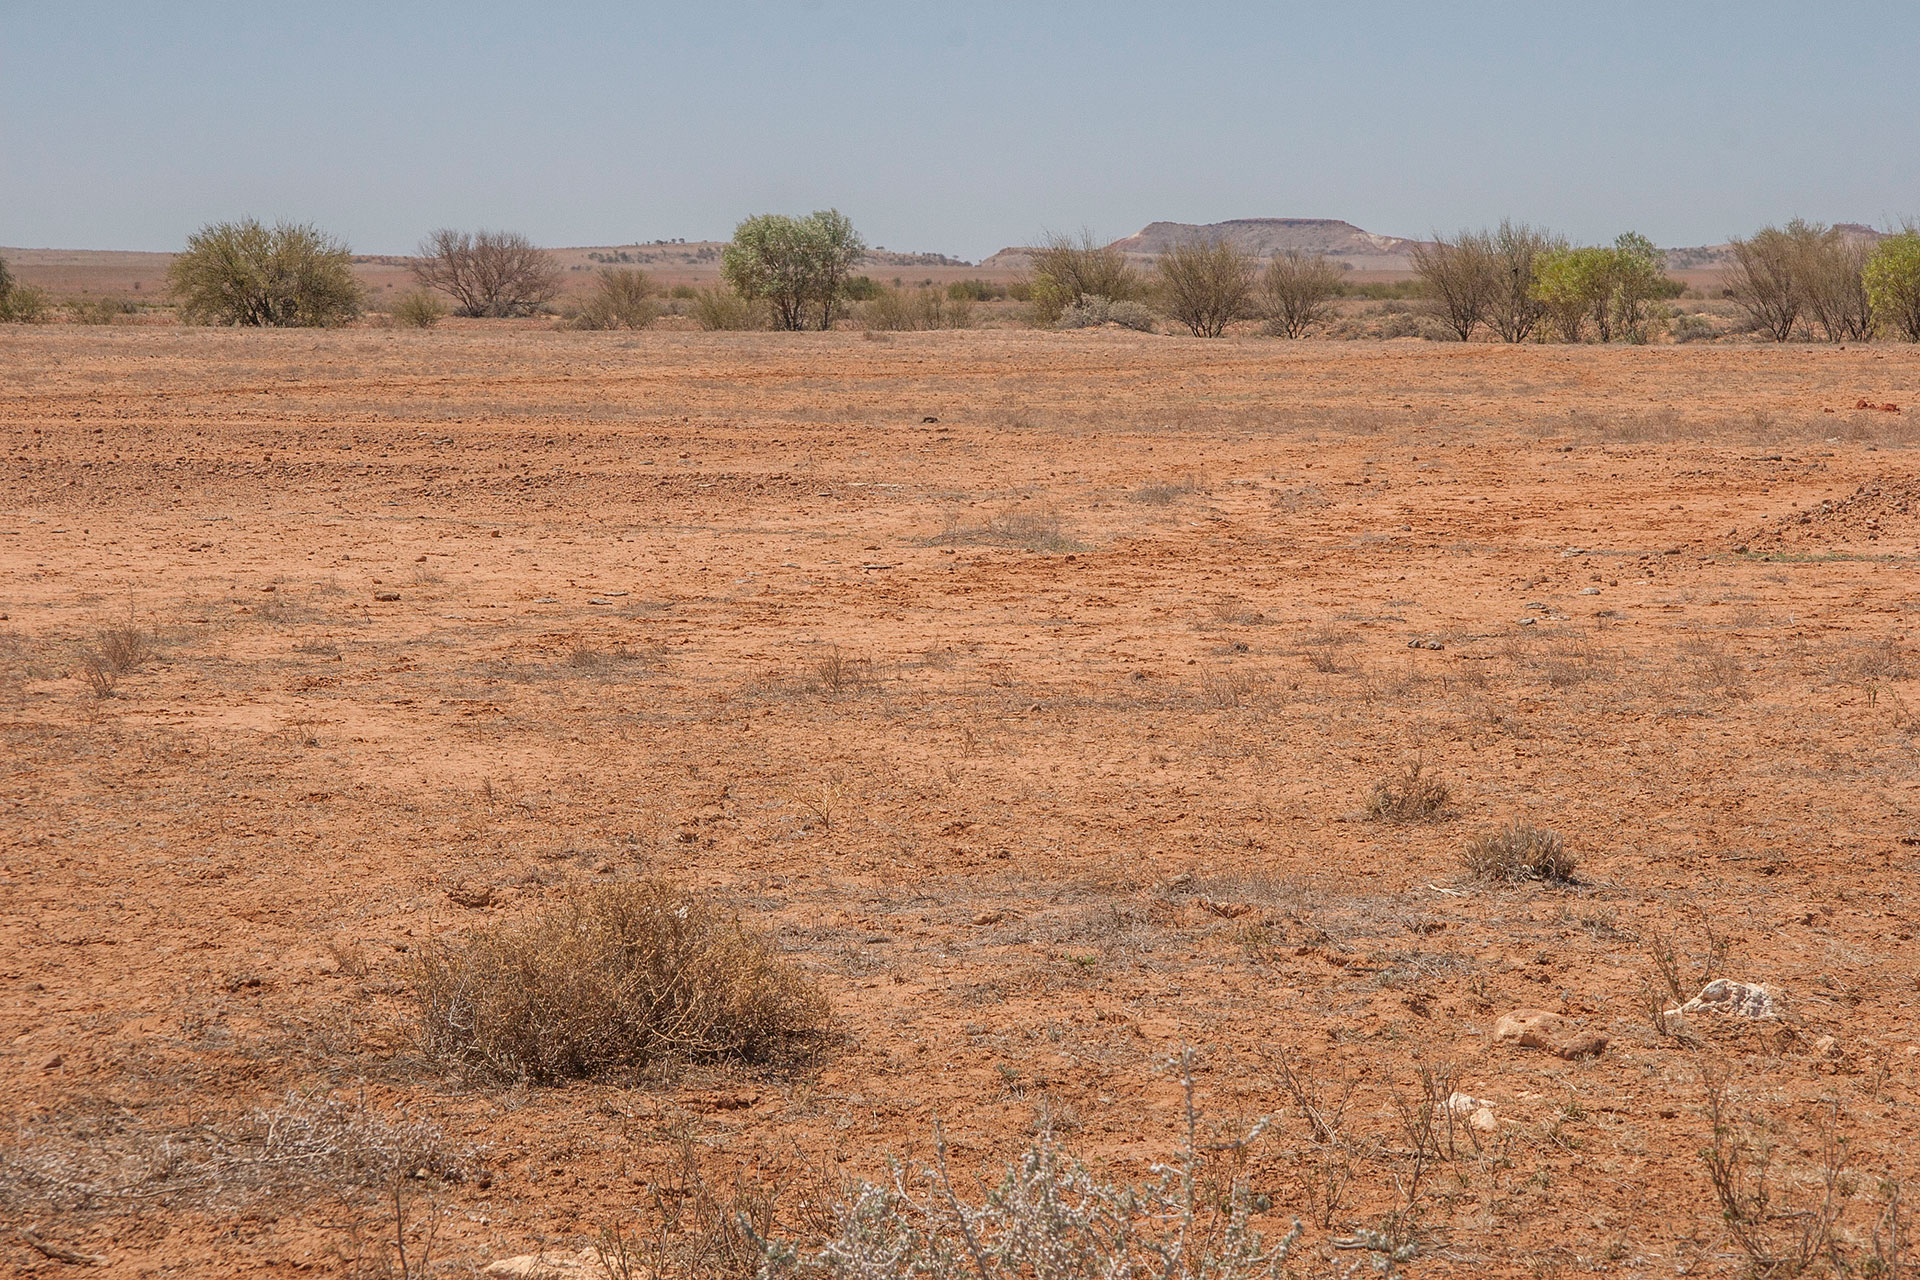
(1298, 292)
(1515, 309)
(488, 273)
(1833, 279)
(1066, 270)
(1207, 285)
(1461, 279)
(1765, 278)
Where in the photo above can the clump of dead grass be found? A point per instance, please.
(1029, 530)
(1325, 648)
(115, 652)
(613, 977)
(1413, 795)
(305, 1144)
(1519, 852)
(1168, 491)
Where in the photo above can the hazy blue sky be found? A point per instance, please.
(953, 127)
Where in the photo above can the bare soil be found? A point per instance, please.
(1031, 689)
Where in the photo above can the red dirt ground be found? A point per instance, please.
(469, 616)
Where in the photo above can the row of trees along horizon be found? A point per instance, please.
(1512, 283)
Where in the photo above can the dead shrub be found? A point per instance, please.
(1520, 852)
(834, 673)
(1413, 796)
(613, 977)
(100, 677)
(1038, 530)
(693, 1229)
(306, 1144)
(1324, 647)
(124, 649)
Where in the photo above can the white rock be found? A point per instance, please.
(1735, 999)
(546, 1266)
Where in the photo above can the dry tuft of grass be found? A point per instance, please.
(1324, 647)
(834, 673)
(115, 652)
(1160, 495)
(1520, 852)
(1039, 530)
(614, 977)
(307, 1144)
(1413, 796)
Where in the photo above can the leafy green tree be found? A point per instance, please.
(1568, 282)
(243, 273)
(798, 266)
(1610, 286)
(1639, 276)
(1893, 283)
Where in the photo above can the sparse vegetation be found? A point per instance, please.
(1789, 279)
(722, 310)
(621, 298)
(1413, 795)
(1048, 1215)
(1068, 272)
(419, 309)
(98, 310)
(1092, 311)
(1520, 851)
(20, 303)
(243, 273)
(618, 977)
(1610, 287)
(1297, 293)
(1517, 250)
(905, 310)
(1206, 287)
(487, 273)
(1459, 279)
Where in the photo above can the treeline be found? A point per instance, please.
(1511, 283)
(1801, 281)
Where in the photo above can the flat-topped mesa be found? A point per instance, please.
(1265, 237)
(1258, 237)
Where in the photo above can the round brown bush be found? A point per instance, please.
(614, 977)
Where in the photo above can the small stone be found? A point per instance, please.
(472, 894)
(1827, 1047)
(1483, 1121)
(1531, 1028)
(543, 1266)
(990, 917)
(1588, 1044)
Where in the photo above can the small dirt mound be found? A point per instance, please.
(1881, 514)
